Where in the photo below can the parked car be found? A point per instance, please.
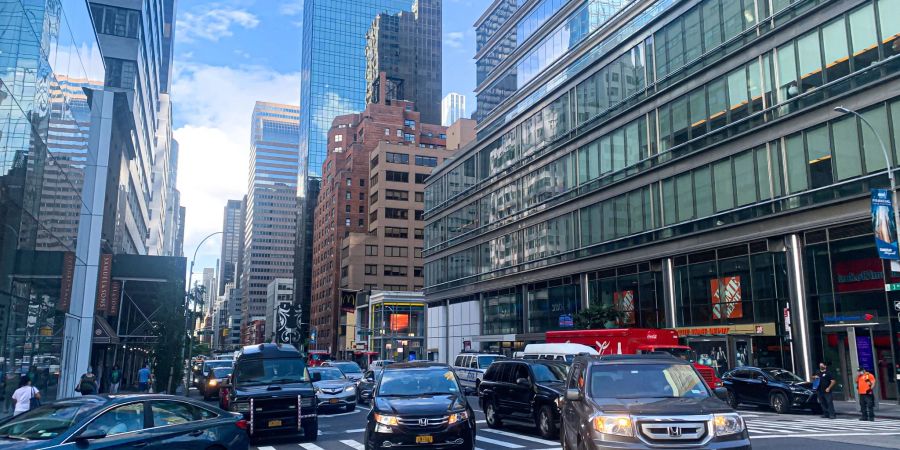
(420, 405)
(205, 372)
(525, 391)
(645, 401)
(350, 369)
(125, 421)
(333, 389)
(218, 379)
(778, 388)
(470, 367)
(366, 387)
(274, 378)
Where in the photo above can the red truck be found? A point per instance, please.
(629, 341)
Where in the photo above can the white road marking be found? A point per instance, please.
(496, 442)
(818, 435)
(265, 448)
(353, 444)
(357, 430)
(522, 436)
(325, 416)
(310, 446)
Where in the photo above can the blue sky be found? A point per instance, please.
(230, 53)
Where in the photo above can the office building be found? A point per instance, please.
(460, 134)
(407, 47)
(279, 294)
(232, 225)
(683, 164)
(453, 108)
(271, 208)
(344, 203)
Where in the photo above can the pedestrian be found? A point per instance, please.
(114, 378)
(143, 378)
(88, 383)
(865, 384)
(23, 396)
(823, 384)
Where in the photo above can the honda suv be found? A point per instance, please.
(644, 402)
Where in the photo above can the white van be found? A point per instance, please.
(470, 367)
(556, 352)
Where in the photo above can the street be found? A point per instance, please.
(340, 430)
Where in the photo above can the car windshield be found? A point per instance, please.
(484, 361)
(347, 367)
(328, 373)
(549, 373)
(222, 372)
(783, 375)
(213, 364)
(416, 382)
(257, 372)
(646, 381)
(45, 422)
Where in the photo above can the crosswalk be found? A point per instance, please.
(486, 439)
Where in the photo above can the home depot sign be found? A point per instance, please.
(760, 329)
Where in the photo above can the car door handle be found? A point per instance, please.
(196, 433)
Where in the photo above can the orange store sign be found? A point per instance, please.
(764, 329)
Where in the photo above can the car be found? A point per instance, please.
(350, 369)
(420, 405)
(470, 367)
(564, 352)
(124, 421)
(778, 388)
(379, 364)
(647, 401)
(333, 389)
(523, 391)
(366, 387)
(273, 378)
(218, 378)
(203, 375)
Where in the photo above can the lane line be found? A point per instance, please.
(815, 435)
(310, 446)
(325, 416)
(266, 447)
(522, 436)
(353, 444)
(496, 442)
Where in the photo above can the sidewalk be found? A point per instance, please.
(887, 409)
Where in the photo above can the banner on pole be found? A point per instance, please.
(883, 224)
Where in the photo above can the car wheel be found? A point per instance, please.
(546, 424)
(311, 432)
(732, 399)
(491, 417)
(779, 403)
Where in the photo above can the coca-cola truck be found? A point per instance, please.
(630, 341)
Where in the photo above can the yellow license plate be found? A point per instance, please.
(424, 439)
(334, 400)
(274, 423)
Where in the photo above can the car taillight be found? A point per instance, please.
(242, 424)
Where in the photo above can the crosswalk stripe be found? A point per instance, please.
(820, 435)
(356, 430)
(496, 442)
(267, 447)
(523, 437)
(310, 446)
(353, 444)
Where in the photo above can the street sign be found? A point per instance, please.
(896, 305)
(891, 287)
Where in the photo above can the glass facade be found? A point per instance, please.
(49, 57)
(399, 331)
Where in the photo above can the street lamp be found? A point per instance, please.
(890, 172)
(187, 378)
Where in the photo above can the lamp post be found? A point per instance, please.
(187, 378)
(890, 171)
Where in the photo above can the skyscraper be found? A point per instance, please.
(231, 244)
(407, 47)
(453, 108)
(271, 210)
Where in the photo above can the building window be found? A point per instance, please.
(421, 177)
(339, 138)
(373, 198)
(347, 222)
(374, 162)
(426, 161)
(442, 136)
(361, 223)
(120, 73)
(344, 271)
(362, 182)
(347, 208)
(116, 21)
(393, 251)
(387, 131)
(349, 182)
(409, 137)
(419, 214)
(371, 269)
(395, 213)
(362, 209)
(395, 232)
(418, 272)
(420, 197)
(374, 180)
(419, 233)
(362, 196)
(371, 250)
(399, 133)
(394, 194)
(400, 177)
(397, 158)
(417, 252)
(395, 271)
(410, 123)
(347, 196)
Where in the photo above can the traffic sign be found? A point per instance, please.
(890, 287)
(896, 305)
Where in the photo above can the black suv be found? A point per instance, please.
(524, 391)
(420, 405)
(644, 402)
(272, 388)
(777, 388)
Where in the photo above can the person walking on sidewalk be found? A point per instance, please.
(114, 378)
(824, 383)
(865, 383)
(144, 378)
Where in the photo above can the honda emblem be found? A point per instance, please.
(675, 432)
(423, 422)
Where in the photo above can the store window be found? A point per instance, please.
(635, 291)
(552, 304)
(502, 312)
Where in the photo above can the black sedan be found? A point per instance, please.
(125, 421)
(366, 387)
(778, 388)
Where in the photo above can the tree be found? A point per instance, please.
(169, 327)
(598, 316)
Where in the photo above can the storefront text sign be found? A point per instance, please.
(883, 224)
(763, 329)
(851, 318)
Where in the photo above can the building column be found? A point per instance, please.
(799, 313)
(668, 274)
(444, 356)
(76, 352)
(585, 291)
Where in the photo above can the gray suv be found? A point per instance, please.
(645, 402)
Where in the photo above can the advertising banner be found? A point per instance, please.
(864, 353)
(726, 297)
(624, 302)
(883, 224)
(348, 301)
(68, 277)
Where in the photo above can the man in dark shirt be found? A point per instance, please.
(824, 391)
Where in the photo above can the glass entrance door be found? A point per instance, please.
(741, 350)
(836, 350)
(711, 352)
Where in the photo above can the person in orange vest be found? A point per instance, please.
(865, 383)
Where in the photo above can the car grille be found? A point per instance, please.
(332, 391)
(423, 423)
(663, 430)
(708, 374)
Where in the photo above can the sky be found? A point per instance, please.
(231, 53)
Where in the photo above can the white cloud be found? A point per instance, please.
(213, 24)
(290, 7)
(453, 39)
(213, 105)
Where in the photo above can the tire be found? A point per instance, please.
(779, 402)
(546, 424)
(732, 400)
(491, 416)
(311, 432)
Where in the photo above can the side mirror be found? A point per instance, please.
(84, 438)
(573, 395)
(721, 393)
(523, 382)
(316, 377)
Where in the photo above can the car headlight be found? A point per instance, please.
(213, 382)
(386, 420)
(458, 417)
(350, 389)
(616, 425)
(241, 407)
(727, 424)
(318, 390)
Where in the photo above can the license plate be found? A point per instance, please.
(274, 423)
(334, 400)
(424, 439)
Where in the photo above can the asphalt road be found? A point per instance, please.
(340, 430)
